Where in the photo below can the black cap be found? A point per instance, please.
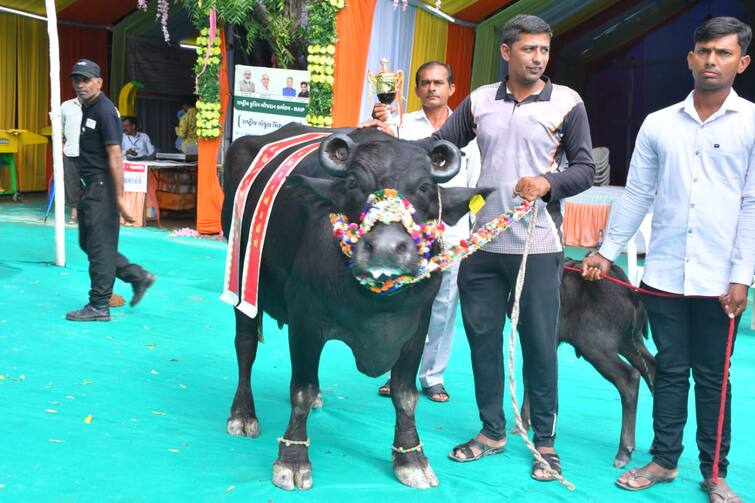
(85, 68)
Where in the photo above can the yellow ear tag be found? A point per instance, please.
(476, 203)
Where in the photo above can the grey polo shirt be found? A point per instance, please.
(526, 138)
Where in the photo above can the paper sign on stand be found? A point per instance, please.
(134, 177)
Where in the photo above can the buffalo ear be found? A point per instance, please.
(446, 161)
(456, 201)
(334, 151)
(320, 187)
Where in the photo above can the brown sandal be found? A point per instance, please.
(643, 474)
(718, 494)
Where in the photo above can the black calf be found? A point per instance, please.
(604, 321)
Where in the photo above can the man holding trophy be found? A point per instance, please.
(524, 125)
(434, 85)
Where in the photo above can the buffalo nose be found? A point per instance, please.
(387, 247)
(384, 246)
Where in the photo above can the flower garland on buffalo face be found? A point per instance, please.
(388, 206)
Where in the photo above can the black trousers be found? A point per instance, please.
(72, 181)
(99, 226)
(486, 290)
(690, 334)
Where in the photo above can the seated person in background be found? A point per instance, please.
(187, 127)
(304, 90)
(181, 112)
(135, 145)
(289, 89)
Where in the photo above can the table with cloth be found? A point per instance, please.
(587, 216)
(169, 185)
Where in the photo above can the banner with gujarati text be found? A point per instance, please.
(265, 99)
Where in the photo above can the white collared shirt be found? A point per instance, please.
(701, 176)
(416, 126)
(139, 142)
(70, 115)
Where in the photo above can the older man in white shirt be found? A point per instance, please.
(696, 161)
(434, 85)
(70, 114)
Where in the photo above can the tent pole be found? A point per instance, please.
(57, 139)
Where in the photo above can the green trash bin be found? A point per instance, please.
(8, 161)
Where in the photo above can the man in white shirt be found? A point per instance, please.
(136, 145)
(696, 161)
(70, 114)
(265, 87)
(434, 85)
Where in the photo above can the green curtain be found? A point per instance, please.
(430, 35)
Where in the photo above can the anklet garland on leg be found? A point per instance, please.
(289, 443)
(402, 450)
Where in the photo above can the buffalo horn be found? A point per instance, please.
(446, 161)
(334, 151)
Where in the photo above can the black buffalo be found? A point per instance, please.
(306, 282)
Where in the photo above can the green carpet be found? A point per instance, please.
(158, 380)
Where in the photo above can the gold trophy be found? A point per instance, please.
(387, 85)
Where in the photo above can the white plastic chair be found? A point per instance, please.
(634, 272)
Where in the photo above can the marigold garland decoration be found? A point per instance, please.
(321, 60)
(207, 69)
(348, 234)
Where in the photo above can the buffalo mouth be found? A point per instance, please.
(381, 273)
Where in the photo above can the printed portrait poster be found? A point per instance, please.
(265, 99)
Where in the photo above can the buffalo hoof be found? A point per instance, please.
(622, 458)
(292, 476)
(415, 472)
(243, 427)
(318, 403)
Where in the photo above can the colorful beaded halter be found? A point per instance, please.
(388, 206)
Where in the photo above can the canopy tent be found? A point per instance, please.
(588, 32)
(24, 92)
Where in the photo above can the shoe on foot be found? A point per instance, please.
(140, 288)
(89, 313)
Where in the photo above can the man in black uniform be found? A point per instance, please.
(101, 203)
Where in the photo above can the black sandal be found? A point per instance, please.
(466, 449)
(555, 463)
(432, 391)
